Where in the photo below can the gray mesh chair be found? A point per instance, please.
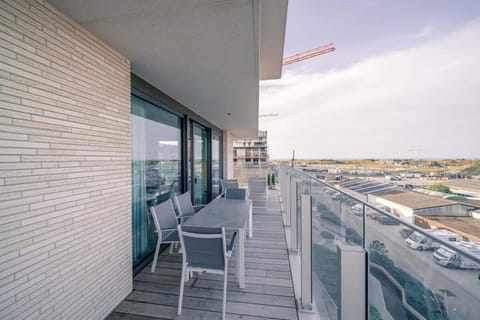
(228, 183)
(205, 250)
(166, 226)
(236, 194)
(184, 206)
(257, 190)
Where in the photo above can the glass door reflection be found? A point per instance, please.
(200, 160)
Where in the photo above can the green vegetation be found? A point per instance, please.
(422, 299)
(374, 314)
(439, 188)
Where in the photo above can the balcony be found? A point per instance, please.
(268, 291)
(321, 253)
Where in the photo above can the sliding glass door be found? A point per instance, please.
(156, 169)
(200, 161)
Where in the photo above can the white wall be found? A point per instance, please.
(227, 155)
(405, 213)
(65, 181)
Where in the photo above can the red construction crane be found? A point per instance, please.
(308, 54)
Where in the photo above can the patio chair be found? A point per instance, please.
(257, 190)
(205, 250)
(228, 183)
(236, 194)
(184, 206)
(166, 224)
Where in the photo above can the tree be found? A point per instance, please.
(439, 188)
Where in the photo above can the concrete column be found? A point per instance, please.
(227, 155)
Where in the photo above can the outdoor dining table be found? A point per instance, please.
(231, 215)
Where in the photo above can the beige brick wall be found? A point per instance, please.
(65, 181)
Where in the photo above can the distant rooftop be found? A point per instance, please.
(467, 184)
(464, 226)
(367, 186)
(412, 200)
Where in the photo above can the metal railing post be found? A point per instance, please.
(287, 199)
(352, 281)
(306, 253)
(293, 216)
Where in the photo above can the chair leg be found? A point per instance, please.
(224, 293)
(182, 284)
(157, 250)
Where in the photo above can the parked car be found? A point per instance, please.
(351, 202)
(357, 209)
(421, 242)
(449, 258)
(337, 196)
(406, 232)
(387, 220)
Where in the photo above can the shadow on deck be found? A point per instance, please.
(268, 292)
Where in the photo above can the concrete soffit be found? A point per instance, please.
(207, 54)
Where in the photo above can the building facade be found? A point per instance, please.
(251, 153)
(105, 109)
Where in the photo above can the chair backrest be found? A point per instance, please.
(164, 216)
(203, 247)
(184, 205)
(236, 193)
(229, 183)
(257, 185)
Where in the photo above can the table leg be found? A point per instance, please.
(241, 258)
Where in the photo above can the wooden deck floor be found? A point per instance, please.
(268, 292)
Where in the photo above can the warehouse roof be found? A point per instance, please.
(411, 199)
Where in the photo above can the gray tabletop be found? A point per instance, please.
(230, 214)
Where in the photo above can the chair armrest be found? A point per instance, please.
(231, 243)
(163, 230)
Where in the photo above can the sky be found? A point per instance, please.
(403, 82)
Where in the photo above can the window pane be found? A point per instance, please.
(156, 169)
(216, 175)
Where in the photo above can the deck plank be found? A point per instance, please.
(268, 293)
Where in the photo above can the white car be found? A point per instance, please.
(357, 209)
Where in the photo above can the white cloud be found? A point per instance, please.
(425, 32)
(419, 102)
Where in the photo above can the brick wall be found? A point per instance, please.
(65, 180)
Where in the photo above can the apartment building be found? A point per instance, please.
(251, 153)
(105, 107)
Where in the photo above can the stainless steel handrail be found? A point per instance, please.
(383, 212)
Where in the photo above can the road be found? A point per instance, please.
(463, 298)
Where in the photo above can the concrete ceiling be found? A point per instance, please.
(208, 55)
